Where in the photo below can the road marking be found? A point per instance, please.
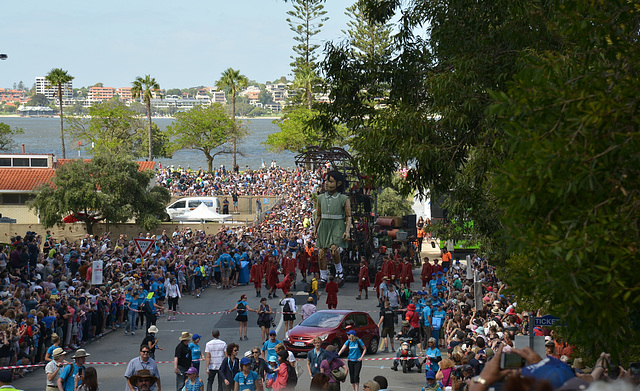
(302, 293)
(280, 322)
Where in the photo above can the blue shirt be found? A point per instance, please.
(270, 347)
(133, 303)
(426, 313)
(432, 353)
(68, 373)
(195, 351)
(355, 349)
(225, 259)
(246, 382)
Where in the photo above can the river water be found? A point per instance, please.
(42, 135)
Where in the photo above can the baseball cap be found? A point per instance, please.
(244, 361)
(272, 332)
(430, 375)
(351, 332)
(551, 369)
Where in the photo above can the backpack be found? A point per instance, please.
(225, 262)
(310, 287)
(241, 307)
(148, 308)
(287, 307)
(292, 376)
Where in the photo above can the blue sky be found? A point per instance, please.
(180, 43)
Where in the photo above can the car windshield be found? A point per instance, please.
(322, 319)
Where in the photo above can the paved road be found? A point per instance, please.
(117, 347)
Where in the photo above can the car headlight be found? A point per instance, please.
(323, 337)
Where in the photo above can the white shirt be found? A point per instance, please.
(292, 304)
(216, 348)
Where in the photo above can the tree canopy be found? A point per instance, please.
(204, 128)
(6, 136)
(108, 188)
(112, 127)
(546, 175)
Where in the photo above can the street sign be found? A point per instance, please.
(143, 245)
(8, 220)
(547, 320)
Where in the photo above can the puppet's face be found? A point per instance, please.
(331, 184)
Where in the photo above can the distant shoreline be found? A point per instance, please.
(55, 116)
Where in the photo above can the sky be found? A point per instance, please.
(180, 43)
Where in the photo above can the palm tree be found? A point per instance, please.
(143, 88)
(58, 77)
(305, 79)
(233, 80)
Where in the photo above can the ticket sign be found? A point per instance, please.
(547, 320)
(143, 245)
(96, 273)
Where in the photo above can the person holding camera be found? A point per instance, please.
(67, 377)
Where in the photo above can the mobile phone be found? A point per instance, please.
(511, 361)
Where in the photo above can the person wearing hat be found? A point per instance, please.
(142, 362)
(182, 359)
(269, 346)
(356, 351)
(151, 341)
(383, 291)
(193, 382)
(67, 375)
(53, 368)
(6, 377)
(308, 308)
(246, 379)
(431, 384)
(414, 334)
(143, 380)
(333, 363)
(196, 353)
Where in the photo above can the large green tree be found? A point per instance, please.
(569, 183)
(6, 136)
(233, 80)
(369, 40)
(58, 77)
(144, 88)
(109, 188)
(112, 127)
(306, 20)
(204, 128)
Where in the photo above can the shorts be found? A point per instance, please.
(288, 317)
(264, 323)
(387, 332)
(241, 318)
(226, 272)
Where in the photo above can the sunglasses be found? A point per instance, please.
(145, 351)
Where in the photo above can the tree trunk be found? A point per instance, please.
(235, 130)
(150, 130)
(64, 152)
(209, 162)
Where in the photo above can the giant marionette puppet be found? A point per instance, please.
(333, 220)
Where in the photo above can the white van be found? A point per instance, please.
(183, 205)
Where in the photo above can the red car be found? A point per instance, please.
(332, 326)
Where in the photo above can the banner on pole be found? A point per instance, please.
(96, 273)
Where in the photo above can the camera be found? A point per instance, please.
(511, 361)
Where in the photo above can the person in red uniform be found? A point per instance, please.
(256, 275)
(273, 279)
(314, 267)
(436, 268)
(407, 273)
(425, 275)
(378, 281)
(332, 293)
(363, 280)
(285, 285)
(388, 268)
(303, 264)
(289, 267)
